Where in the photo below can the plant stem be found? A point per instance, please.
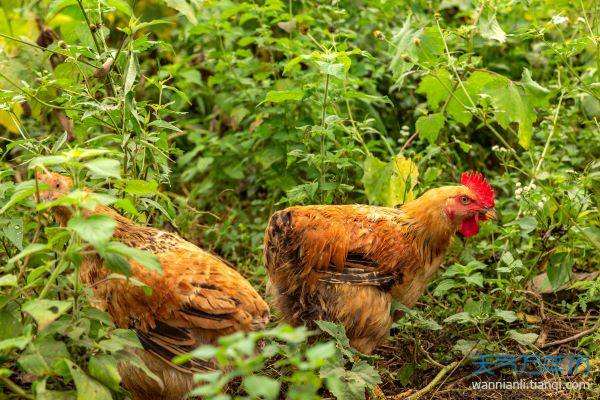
(322, 180)
(15, 388)
(550, 135)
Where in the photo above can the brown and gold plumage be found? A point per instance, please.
(196, 299)
(345, 263)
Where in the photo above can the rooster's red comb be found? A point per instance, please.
(478, 184)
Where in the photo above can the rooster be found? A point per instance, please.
(196, 299)
(345, 263)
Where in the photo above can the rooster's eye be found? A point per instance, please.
(465, 200)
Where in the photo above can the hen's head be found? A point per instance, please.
(58, 185)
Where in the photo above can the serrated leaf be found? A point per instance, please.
(559, 269)
(184, 9)
(490, 28)
(261, 387)
(429, 126)
(159, 123)
(138, 187)
(130, 74)
(145, 258)
(104, 168)
(524, 339)
(508, 316)
(444, 287)
(437, 87)
(104, 368)
(8, 280)
(87, 387)
(45, 311)
(13, 231)
(389, 184)
(95, 229)
(279, 96)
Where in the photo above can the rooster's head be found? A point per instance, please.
(471, 202)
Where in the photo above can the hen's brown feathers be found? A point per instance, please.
(197, 298)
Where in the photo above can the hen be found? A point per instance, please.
(196, 299)
(345, 263)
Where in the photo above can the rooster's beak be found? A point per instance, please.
(489, 213)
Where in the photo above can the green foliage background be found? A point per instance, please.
(204, 117)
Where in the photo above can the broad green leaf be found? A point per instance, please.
(43, 355)
(279, 96)
(536, 93)
(104, 168)
(30, 249)
(13, 231)
(87, 387)
(461, 317)
(8, 280)
(508, 316)
(130, 74)
(138, 187)
(559, 269)
(116, 263)
(429, 126)
(122, 6)
(159, 123)
(184, 9)
(17, 342)
(524, 339)
(104, 368)
(467, 95)
(46, 161)
(333, 69)
(389, 184)
(444, 287)
(476, 279)
(262, 387)
(22, 191)
(145, 258)
(490, 28)
(437, 87)
(95, 229)
(45, 311)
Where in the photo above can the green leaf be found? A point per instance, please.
(8, 280)
(437, 87)
(81, 198)
(476, 279)
(389, 184)
(138, 187)
(45, 311)
(122, 6)
(30, 249)
(17, 342)
(46, 161)
(461, 317)
(184, 9)
(508, 316)
(560, 266)
(87, 388)
(279, 96)
(405, 373)
(116, 262)
(524, 339)
(22, 191)
(43, 356)
(131, 73)
(159, 123)
(104, 368)
(96, 229)
(444, 287)
(536, 93)
(429, 126)
(104, 168)
(333, 69)
(145, 258)
(490, 29)
(261, 387)
(467, 96)
(13, 231)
